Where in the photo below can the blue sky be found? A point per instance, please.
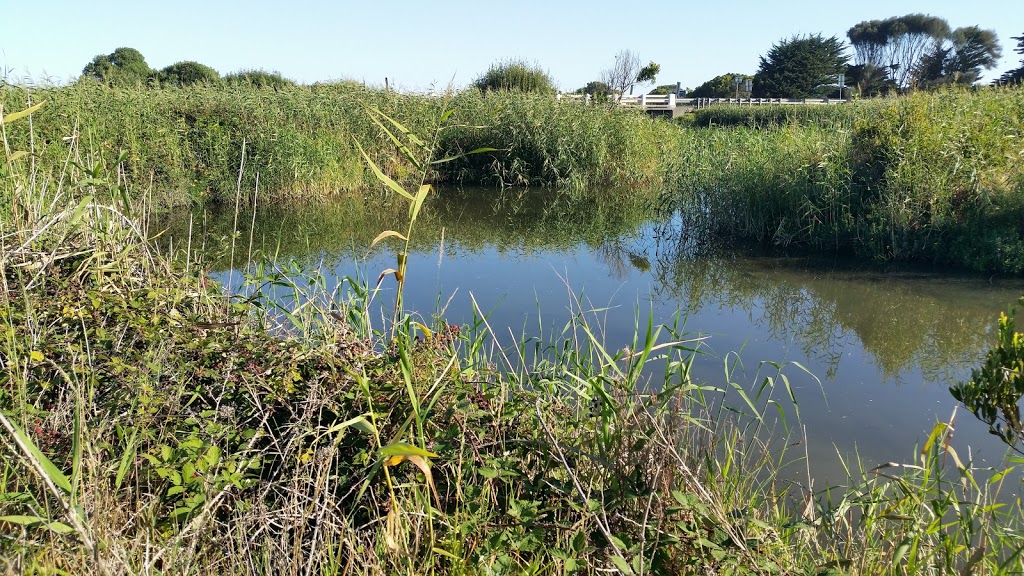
(422, 44)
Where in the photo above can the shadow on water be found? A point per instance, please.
(885, 343)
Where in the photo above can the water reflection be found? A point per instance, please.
(886, 344)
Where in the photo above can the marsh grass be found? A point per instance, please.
(930, 177)
(185, 144)
(153, 423)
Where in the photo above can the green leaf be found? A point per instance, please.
(464, 154)
(387, 234)
(621, 564)
(54, 473)
(19, 115)
(405, 449)
(381, 175)
(16, 155)
(32, 521)
(417, 202)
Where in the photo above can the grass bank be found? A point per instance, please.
(931, 177)
(186, 146)
(152, 423)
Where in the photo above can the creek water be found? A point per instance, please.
(883, 345)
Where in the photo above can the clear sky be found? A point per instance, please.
(419, 44)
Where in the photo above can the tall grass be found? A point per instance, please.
(933, 177)
(152, 423)
(185, 145)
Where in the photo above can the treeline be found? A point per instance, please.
(892, 55)
(127, 67)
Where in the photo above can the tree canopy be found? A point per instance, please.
(1016, 75)
(723, 86)
(960, 59)
(626, 72)
(258, 78)
(186, 73)
(515, 75)
(122, 67)
(801, 67)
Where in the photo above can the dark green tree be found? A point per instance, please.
(258, 78)
(596, 88)
(723, 86)
(801, 67)
(122, 67)
(664, 89)
(515, 75)
(187, 73)
(960, 59)
(626, 72)
(898, 44)
(1016, 75)
(868, 80)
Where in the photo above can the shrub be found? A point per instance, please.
(515, 75)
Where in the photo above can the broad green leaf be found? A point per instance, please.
(417, 202)
(19, 115)
(394, 139)
(405, 131)
(405, 449)
(54, 473)
(387, 234)
(31, 521)
(621, 564)
(17, 154)
(464, 154)
(381, 175)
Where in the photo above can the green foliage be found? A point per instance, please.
(898, 44)
(833, 116)
(664, 89)
(868, 80)
(801, 67)
(961, 60)
(515, 76)
(595, 88)
(723, 86)
(124, 67)
(995, 390)
(1016, 75)
(933, 178)
(187, 73)
(258, 79)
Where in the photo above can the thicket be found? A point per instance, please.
(515, 76)
(150, 422)
(186, 145)
(932, 177)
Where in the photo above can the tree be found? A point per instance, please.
(187, 73)
(626, 72)
(960, 58)
(515, 75)
(898, 43)
(258, 78)
(868, 80)
(801, 67)
(723, 86)
(596, 89)
(122, 67)
(664, 89)
(1016, 75)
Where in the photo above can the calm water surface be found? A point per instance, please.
(885, 345)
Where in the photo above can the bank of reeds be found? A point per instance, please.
(837, 116)
(152, 423)
(930, 177)
(186, 145)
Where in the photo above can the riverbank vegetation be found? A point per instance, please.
(152, 422)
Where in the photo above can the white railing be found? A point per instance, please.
(670, 101)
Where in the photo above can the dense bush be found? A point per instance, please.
(515, 75)
(187, 73)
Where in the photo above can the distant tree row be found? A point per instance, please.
(128, 67)
(916, 51)
(1015, 76)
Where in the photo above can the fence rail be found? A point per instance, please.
(671, 101)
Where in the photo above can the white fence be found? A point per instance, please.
(670, 101)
